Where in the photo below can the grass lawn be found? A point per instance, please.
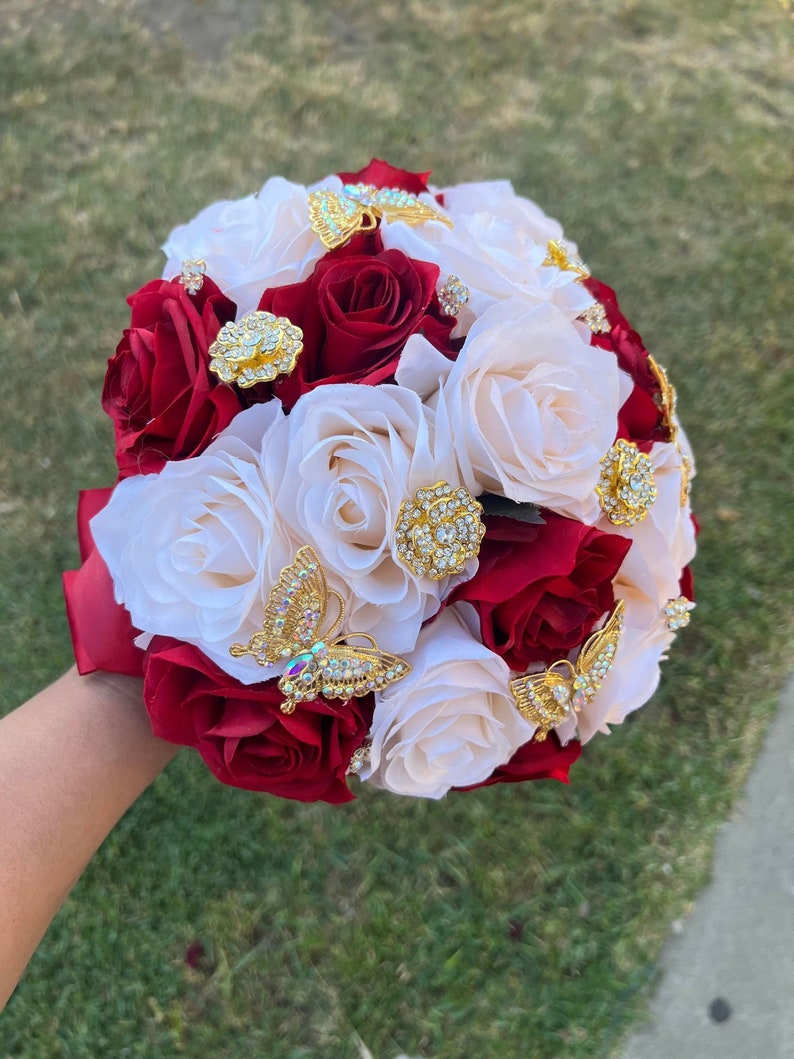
(515, 921)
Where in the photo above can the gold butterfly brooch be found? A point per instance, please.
(547, 698)
(667, 406)
(316, 664)
(336, 217)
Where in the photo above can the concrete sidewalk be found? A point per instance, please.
(727, 985)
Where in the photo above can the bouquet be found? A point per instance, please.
(401, 494)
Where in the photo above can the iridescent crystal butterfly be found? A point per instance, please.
(547, 698)
(336, 217)
(316, 664)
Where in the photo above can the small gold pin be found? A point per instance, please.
(596, 319)
(677, 613)
(686, 478)
(558, 256)
(192, 275)
(359, 760)
(453, 296)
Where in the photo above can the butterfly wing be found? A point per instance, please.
(597, 657)
(256, 646)
(336, 217)
(347, 671)
(395, 205)
(296, 606)
(411, 212)
(294, 613)
(339, 671)
(544, 699)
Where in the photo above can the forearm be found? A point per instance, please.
(72, 760)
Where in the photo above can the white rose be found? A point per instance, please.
(496, 248)
(251, 244)
(529, 406)
(194, 550)
(451, 721)
(355, 454)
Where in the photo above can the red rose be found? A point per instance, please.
(241, 732)
(382, 175)
(356, 312)
(640, 419)
(548, 760)
(163, 400)
(686, 585)
(540, 589)
(101, 629)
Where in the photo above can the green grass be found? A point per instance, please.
(518, 921)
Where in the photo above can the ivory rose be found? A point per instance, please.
(355, 454)
(249, 244)
(530, 407)
(496, 248)
(451, 721)
(194, 551)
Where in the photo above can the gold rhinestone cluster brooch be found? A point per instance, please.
(626, 488)
(256, 349)
(438, 530)
(595, 316)
(453, 296)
